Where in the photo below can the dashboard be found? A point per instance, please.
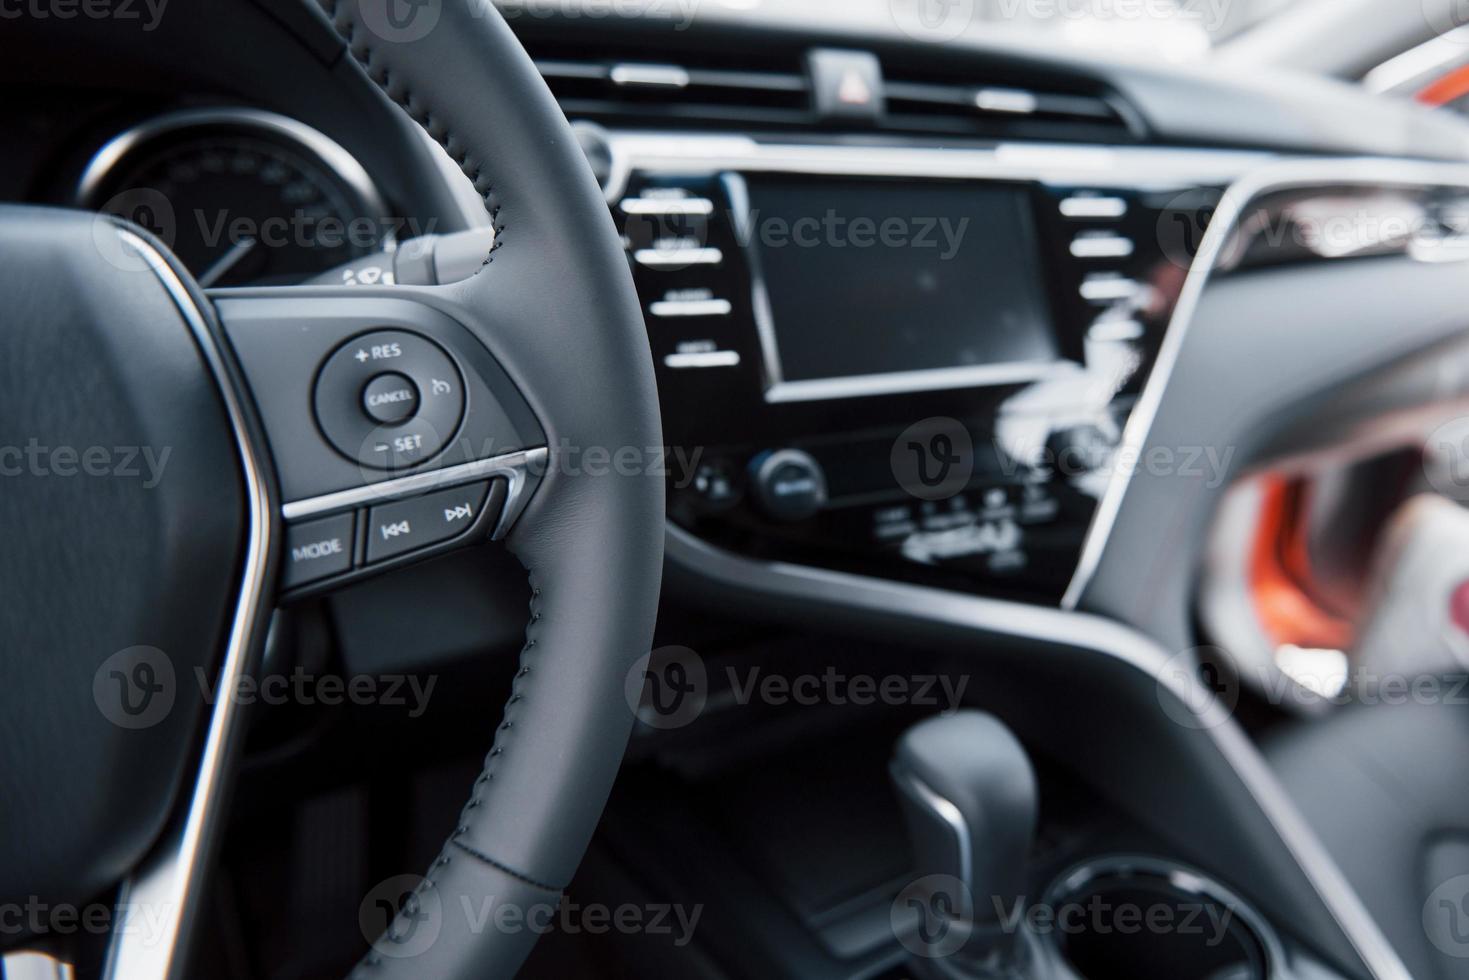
(912, 360)
(916, 363)
(903, 298)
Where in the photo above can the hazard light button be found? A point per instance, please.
(406, 525)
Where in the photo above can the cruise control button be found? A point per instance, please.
(406, 525)
(362, 399)
(317, 549)
(390, 398)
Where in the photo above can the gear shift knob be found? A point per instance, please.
(968, 793)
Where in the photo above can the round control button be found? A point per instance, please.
(790, 484)
(363, 403)
(390, 398)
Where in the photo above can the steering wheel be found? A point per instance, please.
(119, 586)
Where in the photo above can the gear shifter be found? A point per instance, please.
(969, 798)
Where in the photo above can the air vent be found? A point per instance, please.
(974, 108)
(771, 89)
(749, 92)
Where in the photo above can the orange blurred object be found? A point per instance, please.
(1280, 575)
(1449, 88)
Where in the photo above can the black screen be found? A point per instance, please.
(867, 277)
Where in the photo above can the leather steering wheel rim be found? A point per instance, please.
(555, 304)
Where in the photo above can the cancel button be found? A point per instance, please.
(390, 398)
(317, 549)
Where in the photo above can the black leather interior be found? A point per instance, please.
(1398, 832)
(556, 306)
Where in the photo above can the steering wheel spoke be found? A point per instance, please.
(396, 433)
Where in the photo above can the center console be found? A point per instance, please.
(908, 361)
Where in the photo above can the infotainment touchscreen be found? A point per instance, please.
(871, 286)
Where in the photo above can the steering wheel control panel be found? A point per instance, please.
(389, 399)
(922, 378)
(329, 547)
(396, 435)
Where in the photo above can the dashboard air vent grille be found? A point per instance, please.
(657, 92)
(757, 88)
(959, 108)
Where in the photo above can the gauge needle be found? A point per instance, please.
(226, 262)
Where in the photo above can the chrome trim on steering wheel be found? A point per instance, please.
(513, 467)
(168, 885)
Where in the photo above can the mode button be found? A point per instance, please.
(317, 549)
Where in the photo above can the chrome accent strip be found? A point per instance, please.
(1081, 206)
(1102, 247)
(169, 881)
(638, 75)
(946, 811)
(671, 308)
(1012, 101)
(1049, 163)
(703, 359)
(742, 219)
(513, 467)
(933, 379)
(1280, 176)
(331, 153)
(677, 258)
(803, 584)
(1106, 289)
(667, 206)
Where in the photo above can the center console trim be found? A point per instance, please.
(1057, 176)
(806, 587)
(1279, 176)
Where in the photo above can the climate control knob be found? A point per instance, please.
(789, 484)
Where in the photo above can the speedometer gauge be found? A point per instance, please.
(241, 196)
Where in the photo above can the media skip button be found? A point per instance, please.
(406, 525)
